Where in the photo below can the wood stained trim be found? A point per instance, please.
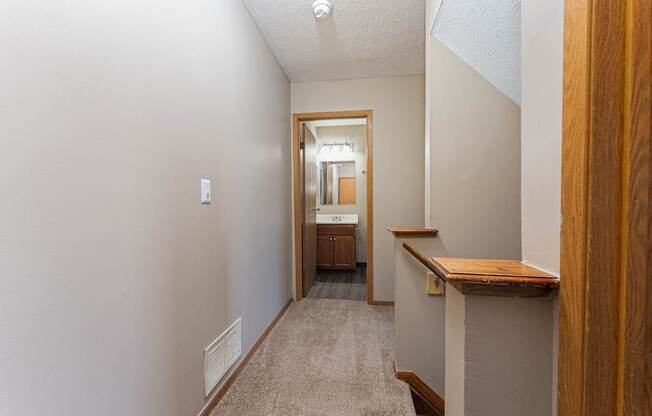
(297, 119)
(370, 207)
(605, 351)
(488, 277)
(412, 232)
(425, 260)
(636, 315)
(434, 401)
(296, 199)
(380, 302)
(214, 400)
(494, 277)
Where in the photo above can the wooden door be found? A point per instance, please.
(344, 251)
(346, 190)
(605, 329)
(324, 251)
(309, 200)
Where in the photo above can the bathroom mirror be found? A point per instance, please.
(337, 183)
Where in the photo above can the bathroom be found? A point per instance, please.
(339, 184)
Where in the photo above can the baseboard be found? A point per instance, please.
(421, 389)
(235, 372)
(381, 302)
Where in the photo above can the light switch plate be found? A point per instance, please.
(205, 191)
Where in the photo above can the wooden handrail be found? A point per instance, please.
(426, 261)
(404, 232)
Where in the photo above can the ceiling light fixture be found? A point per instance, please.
(322, 9)
(337, 147)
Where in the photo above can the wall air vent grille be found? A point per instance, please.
(221, 355)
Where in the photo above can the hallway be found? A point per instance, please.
(324, 357)
(326, 207)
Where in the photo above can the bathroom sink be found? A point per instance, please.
(337, 218)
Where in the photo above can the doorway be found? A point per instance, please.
(333, 209)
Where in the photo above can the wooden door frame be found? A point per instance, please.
(297, 119)
(605, 347)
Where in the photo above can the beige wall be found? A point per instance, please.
(432, 9)
(455, 352)
(474, 174)
(398, 105)
(541, 131)
(420, 318)
(490, 345)
(474, 179)
(114, 277)
(541, 114)
(358, 136)
(474, 161)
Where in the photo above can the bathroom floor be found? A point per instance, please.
(340, 284)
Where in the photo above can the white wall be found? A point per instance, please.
(474, 202)
(474, 161)
(398, 105)
(490, 345)
(541, 132)
(432, 9)
(113, 276)
(358, 136)
(455, 352)
(420, 319)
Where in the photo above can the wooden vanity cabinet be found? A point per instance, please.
(336, 246)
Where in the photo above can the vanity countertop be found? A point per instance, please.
(337, 218)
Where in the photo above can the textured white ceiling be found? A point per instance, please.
(361, 39)
(486, 34)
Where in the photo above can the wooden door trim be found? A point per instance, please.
(297, 119)
(434, 401)
(605, 349)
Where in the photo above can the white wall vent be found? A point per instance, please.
(221, 354)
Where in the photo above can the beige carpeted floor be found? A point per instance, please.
(325, 357)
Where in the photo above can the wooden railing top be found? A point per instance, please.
(405, 232)
(489, 277)
(426, 261)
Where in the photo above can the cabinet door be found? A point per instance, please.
(344, 251)
(324, 251)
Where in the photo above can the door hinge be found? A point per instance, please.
(302, 145)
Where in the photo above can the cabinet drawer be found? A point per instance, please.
(336, 229)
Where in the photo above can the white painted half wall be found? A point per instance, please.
(398, 105)
(113, 276)
(541, 132)
(541, 136)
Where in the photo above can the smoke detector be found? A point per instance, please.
(322, 9)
